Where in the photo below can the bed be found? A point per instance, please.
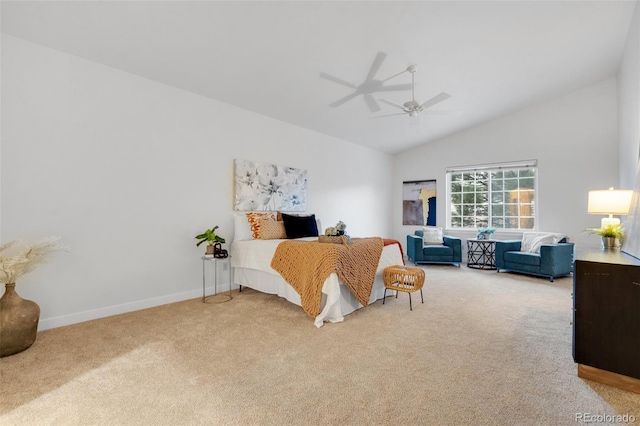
(251, 261)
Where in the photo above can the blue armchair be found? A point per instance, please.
(449, 252)
(553, 261)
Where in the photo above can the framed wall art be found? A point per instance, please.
(419, 202)
(269, 187)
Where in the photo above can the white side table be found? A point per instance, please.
(215, 261)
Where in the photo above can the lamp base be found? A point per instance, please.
(608, 221)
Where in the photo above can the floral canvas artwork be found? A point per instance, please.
(268, 187)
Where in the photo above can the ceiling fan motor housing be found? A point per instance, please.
(411, 105)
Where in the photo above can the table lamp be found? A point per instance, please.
(610, 201)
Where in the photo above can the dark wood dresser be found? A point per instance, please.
(606, 318)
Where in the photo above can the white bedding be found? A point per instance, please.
(251, 260)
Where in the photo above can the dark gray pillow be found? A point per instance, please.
(300, 226)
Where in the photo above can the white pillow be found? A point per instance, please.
(531, 241)
(241, 227)
(540, 240)
(527, 240)
(432, 235)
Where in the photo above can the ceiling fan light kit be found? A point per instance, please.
(413, 108)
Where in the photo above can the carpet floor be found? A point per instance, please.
(485, 348)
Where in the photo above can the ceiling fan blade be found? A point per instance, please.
(442, 112)
(377, 62)
(436, 99)
(337, 80)
(391, 103)
(395, 87)
(388, 115)
(343, 100)
(395, 75)
(373, 105)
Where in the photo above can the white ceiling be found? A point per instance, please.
(492, 57)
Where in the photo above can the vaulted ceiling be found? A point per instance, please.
(292, 60)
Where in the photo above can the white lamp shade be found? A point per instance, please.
(610, 201)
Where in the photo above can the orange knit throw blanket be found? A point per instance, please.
(306, 264)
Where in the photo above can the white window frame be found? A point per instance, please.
(494, 167)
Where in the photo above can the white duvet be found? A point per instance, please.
(251, 260)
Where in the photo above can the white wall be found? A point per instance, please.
(128, 171)
(629, 104)
(573, 137)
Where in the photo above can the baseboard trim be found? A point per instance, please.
(609, 378)
(78, 317)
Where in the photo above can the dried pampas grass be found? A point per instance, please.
(15, 266)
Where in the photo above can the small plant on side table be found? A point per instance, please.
(485, 233)
(209, 236)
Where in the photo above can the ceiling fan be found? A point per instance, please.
(369, 86)
(412, 108)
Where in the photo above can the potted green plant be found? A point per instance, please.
(485, 233)
(611, 235)
(209, 236)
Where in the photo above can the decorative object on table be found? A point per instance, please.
(609, 201)
(485, 233)
(219, 252)
(19, 317)
(209, 236)
(419, 202)
(611, 236)
(268, 187)
(335, 234)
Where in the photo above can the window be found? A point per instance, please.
(500, 196)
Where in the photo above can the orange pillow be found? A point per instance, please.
(271, 230)
(254, 221)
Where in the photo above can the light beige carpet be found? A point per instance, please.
(484, 349)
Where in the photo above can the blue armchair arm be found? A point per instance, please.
(556, 260)
(456, 244)
(414, 247)
(504, 246)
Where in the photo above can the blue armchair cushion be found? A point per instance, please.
(522, 257)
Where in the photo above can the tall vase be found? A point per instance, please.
(18, 322)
